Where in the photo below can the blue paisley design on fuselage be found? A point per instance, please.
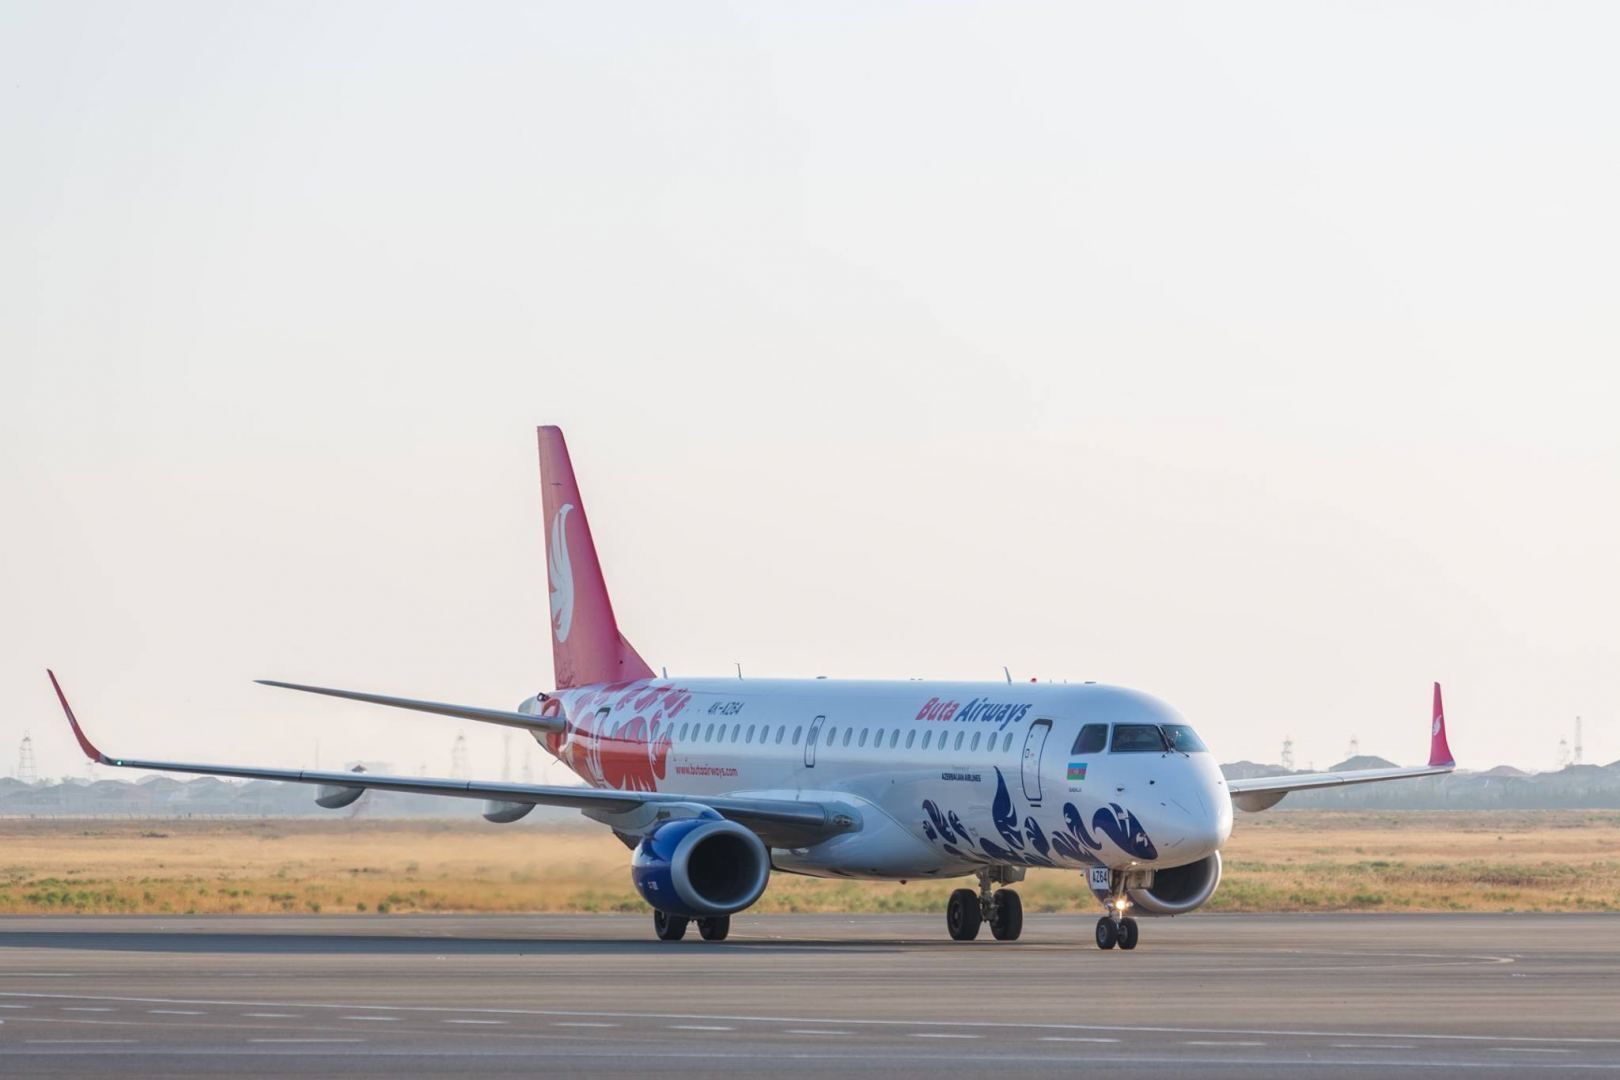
(1125, 831)
(1003, 814)
(1078, 844)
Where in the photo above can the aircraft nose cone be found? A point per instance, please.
(1186, 834)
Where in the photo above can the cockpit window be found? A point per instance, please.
(1092, 739)
(1138, 738)
(1184, 738)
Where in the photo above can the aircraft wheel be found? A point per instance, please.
(1006, 916)
(1107, 935)
(668, 927)
(716, 928)
(962, 915)
(1127, 933)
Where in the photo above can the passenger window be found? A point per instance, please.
(796, 733)
(849, 733)
(832, 733)
(960, 735)
(736, 730)
(864, 733)
(683, 731)
(781, 731)
(974, 745)
(1091, 740)
(894, 738)
(877, 743)
(654, 732)
(1006, 744)
(750, 734)
(928, 737)
(708, 736)
(911, 738)
(1138, 739)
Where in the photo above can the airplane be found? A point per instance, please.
(713, 783)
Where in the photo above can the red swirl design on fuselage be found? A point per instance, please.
(605, 749)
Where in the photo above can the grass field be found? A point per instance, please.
(1276, 861)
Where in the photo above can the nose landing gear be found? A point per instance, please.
(1114, 930)
(1117, 928)
(1002, 909)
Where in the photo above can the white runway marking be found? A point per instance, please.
(1077, 1039)
(583, 1024)
(311, 1040)
(86, 1008)
(943, 1035)
(177, 1012)
(817, 1031)
(475, 1021)
(1218, 1042)
(378, 1019)
(866, 1022)
(700, 1027)
(16, 1006)
(76, 1042)
(273, 1016)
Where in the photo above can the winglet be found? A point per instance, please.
(85, 744)
(1439, 750)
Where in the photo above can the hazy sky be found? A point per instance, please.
(1261, 356)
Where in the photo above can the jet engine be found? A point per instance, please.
(1180, 889)
(700, 867)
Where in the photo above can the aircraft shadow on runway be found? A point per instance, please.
(235, 942)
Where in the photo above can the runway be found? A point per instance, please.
(581, 995)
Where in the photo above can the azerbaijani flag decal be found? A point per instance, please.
(1077, 770)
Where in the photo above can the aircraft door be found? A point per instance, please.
(593, 744)
(1034, 744)
(810, 738)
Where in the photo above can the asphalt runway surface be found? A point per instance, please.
(594, 995)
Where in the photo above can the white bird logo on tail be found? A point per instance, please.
(562, 575)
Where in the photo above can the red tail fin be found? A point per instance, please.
(586, 646)
(1439, 751)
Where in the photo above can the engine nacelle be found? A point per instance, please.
(700, 866)
(1180, 889)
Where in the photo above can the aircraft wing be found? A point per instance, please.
(1261, 792)
(463, 712)
(778, 822)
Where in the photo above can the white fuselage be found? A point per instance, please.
(947, 777)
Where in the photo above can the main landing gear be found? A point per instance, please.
(673, 927)
(1003, 910)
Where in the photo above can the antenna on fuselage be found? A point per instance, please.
(1007, 673)
(739, 668)
(665, 670)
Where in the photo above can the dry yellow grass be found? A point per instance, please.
(1277, 861)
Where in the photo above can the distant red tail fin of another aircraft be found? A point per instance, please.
(1439, 750)
(586, 646)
